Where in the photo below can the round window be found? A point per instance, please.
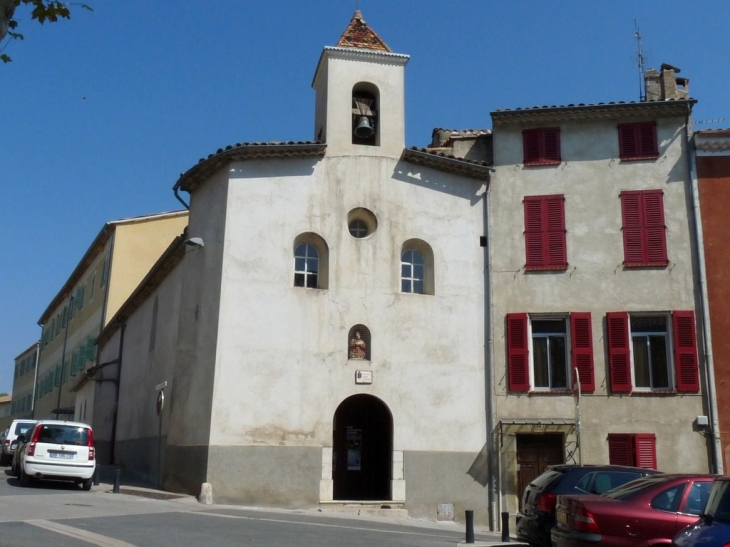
(361, 223)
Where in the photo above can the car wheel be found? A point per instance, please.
(24, 478)
(86, 484)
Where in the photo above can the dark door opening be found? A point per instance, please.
(362, 457)
(534, 454)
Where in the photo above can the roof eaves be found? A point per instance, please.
(206, 167)
(451, 164)
(609, 110)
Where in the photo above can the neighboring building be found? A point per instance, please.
(117, 260)
(593, 276)
(713, 174)
(319, 340)
(24, 382)
(5, 409)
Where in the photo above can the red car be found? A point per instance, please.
(647, 511)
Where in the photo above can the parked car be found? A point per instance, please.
(57, 450)
(17, 427)
(537, 514)
(642, 512)
(713, 528)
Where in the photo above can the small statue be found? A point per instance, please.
(357, 347)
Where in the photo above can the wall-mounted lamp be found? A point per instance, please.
(195, 242)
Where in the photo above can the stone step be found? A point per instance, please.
(386, 509)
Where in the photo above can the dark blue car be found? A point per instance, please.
(713, 528)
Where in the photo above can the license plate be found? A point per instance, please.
(562, 517)
(63, 455)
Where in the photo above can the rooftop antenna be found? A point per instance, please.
(640, 60)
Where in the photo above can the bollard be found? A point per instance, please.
(117, 479)
(96, 477)
(469, 526)
(505, 526)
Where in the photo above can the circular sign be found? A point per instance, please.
(160, 401)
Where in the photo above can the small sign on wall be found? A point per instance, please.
(363, 376)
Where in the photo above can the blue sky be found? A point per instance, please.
(102, 113)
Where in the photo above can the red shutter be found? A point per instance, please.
(627, 144)
(685, 351)
(555, 234)
(619, 364)
(637, 141)
(648, 140)
(632, 227)
(534, 230)
(581, 338)
(531, 145)
(620, 449)
(655, 230)
(551, 144)
(518, 362)
(541, 146)
(545, 245)
(645, 450)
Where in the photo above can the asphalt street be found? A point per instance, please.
(61, 514)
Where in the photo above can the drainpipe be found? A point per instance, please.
(717, 465)
(35, 376)
(113, 439)
(177, 196)
(488, 368)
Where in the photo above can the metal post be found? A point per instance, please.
(96, 477)
(469, 526)
(117, 480)
(505, 526)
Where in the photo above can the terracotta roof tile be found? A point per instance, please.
(359, 35)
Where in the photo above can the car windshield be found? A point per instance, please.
(63, 434)
(634, 487)
(718, 504)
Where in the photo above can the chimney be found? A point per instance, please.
(665, 85)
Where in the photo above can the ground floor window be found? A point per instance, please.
(634, 449)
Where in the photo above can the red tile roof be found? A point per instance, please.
(359, 35)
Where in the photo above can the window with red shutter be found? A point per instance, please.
(620, 449)
(685, 352)
(619, 362)
(541, 146)
(637, 141)
(518, 364)
(545, 241)
(644, 230)
(645, 450)
(581, 338)
(634, 449)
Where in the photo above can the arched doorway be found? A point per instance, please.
(362, 449)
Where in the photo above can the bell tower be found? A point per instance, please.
(360, 102)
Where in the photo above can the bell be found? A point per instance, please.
(364, 129)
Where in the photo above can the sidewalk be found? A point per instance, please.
(131, 483)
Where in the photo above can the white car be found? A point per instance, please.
(18, 427)
(57, 450)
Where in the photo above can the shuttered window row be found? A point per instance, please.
(643, 228)
(621, 343)
(636, 141)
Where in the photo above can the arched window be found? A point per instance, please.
(412, 272)
(310, 261)
(306, 266)
(358, 343)
(417, 276)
